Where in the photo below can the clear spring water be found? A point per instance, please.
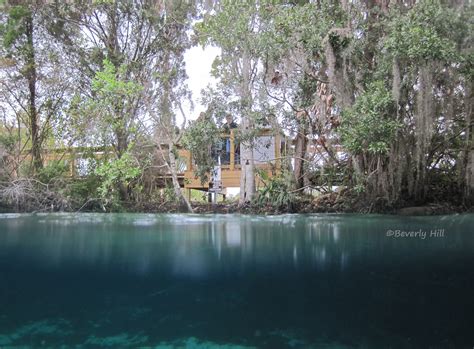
(231, 281)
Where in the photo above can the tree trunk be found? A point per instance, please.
(167, 135)
(174, 176)
(300, 150)
(468, 196)
(247, 177)
(33, 116)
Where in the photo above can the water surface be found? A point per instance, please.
(231, 281)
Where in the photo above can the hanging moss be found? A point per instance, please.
(396, 83)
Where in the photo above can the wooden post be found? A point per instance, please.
(189, 161)
(232, 151)
(278, 151)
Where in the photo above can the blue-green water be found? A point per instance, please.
(230, 281)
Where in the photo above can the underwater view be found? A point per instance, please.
(236, 281)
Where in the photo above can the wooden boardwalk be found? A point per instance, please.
(268, 154)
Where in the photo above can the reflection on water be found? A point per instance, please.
(199, 246)
(293, 280)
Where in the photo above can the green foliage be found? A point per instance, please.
(81, 189)
(276, 192)
(369, 125)
(14, 29)
(116, 48)
(53, 170)
(199, 138)
(109, 82)
(169, 194)
(102, 2)
(467, 67)
(118, 171)
(8, 141)
(359, 189)
(306, 89)
(230, 27)
(114, 93)
(296, 30)
(338, 42)
(198, 196)
(424, 33)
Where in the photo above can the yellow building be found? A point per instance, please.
(268, 148)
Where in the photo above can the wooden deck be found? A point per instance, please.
(77, 157)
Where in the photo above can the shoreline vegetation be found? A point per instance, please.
(316, 206)
(307, 207)
(368, 104)
(334, 202)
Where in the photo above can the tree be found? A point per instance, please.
(33, 87)
(430, 89)
(236, 29)
(171, 75)
(297, 77)
(138, 48)
(368, 91)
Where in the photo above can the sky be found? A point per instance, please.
(198, 67)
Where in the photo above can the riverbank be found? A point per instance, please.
(328, 203)
(426, 210)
